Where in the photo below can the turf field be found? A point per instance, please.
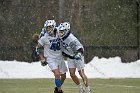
(47, 85)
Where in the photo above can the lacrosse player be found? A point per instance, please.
(74, 50)
(53, 54)
(35, 56)
(43, 33)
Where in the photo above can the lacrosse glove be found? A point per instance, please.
(78, 56)
(43, 62)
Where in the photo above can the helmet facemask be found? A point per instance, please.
(49, 30)
(61, 33)
(63, 29)
(50, 26)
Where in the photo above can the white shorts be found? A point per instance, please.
(57, 64)
(73, 63)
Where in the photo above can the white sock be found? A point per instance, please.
(88, 88)
(80, 85)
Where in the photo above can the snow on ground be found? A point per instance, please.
(97, 68)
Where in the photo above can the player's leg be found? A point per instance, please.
(54, 67)
(84, 77)
(63, 69)
(72, 70)
(75, 79)
(63, 77)
(85, 80)
(80, 66)
(58, 81)
(73, 76)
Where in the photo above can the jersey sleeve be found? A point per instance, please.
(41, 41)
(76, 45)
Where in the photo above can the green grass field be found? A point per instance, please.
(47, 86)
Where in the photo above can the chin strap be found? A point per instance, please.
(66, 35)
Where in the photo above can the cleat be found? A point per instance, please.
(55, 90)
(88, 90)
(81, 90)
(60, 91)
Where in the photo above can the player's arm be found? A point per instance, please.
(66, 55)
(79, 54)
(78, 48)
(40, 51)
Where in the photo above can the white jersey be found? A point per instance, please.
(70, 45)
(51, 46)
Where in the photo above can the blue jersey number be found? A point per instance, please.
(55, 45)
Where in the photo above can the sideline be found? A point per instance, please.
(125, 86)
(105, 85)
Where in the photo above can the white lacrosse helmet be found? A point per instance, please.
(50, 23)
(64, 27)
